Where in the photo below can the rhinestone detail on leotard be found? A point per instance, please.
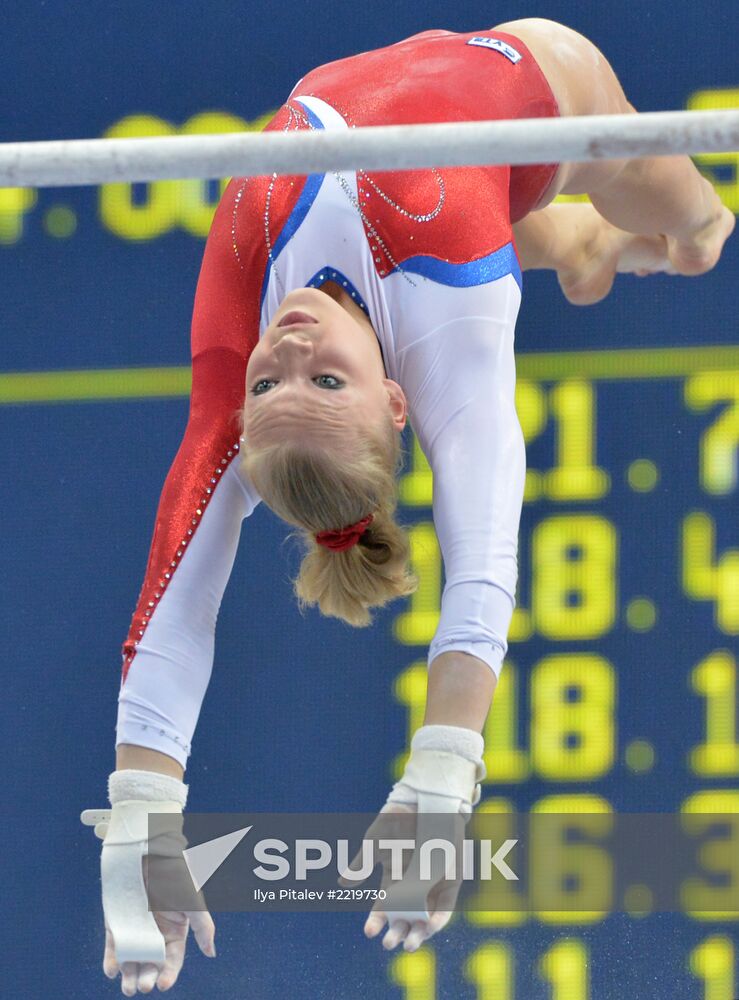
(296, 118)
(166, 576)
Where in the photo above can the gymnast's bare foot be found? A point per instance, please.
(600, 251)
(701, 251)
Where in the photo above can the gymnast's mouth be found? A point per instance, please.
(295, 318)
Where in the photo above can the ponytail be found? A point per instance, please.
(318, 490)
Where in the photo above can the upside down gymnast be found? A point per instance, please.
(331, 309)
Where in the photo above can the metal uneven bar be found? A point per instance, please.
(389, 147)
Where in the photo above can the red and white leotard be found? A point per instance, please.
(429, 254)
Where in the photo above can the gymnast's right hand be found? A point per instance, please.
(147, 948)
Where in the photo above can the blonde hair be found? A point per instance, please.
(316, 489)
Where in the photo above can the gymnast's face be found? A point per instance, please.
(319, 376)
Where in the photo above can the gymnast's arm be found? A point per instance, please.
(168, 654)
(460, 381)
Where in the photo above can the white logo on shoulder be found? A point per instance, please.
(495, 43)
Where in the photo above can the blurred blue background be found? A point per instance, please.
(305, 714)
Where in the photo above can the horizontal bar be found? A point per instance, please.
(74, 162)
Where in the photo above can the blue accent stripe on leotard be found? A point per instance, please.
(310, 115)
(476, 272)
(334, 274)
(296, 218)
(307, 197)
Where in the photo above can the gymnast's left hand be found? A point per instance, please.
(435, 797)
(433, 914)
(174, 927)
(149, 900)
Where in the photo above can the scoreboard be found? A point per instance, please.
(587, 583)
(619, 691)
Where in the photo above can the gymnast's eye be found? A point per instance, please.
(328, 382)
(324, 381)
(262, 386)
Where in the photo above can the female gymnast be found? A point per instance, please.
(329, 310)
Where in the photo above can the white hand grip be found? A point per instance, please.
(136, 936)
(135, 932)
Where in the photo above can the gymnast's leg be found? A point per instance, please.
(663, 195)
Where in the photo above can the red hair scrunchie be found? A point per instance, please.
(345, 538)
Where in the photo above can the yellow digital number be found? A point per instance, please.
(571, 404)
(575, 476)
(500, 903)
(573, 700)
(118, 210)
(14, 203)
(574, 576)
(713, 961)
(728, 190)
(715, 680)
(565, 968)
(168, 203)
(573, 580)
(490, 969)
(553, 859)
(717, 899)
(707, 578)
(505, 761)
(572, 719)
(415, 974)
(550, 859)
(416, 487)
(718, 446)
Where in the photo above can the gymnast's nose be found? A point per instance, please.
(293, 351)
(293, 343)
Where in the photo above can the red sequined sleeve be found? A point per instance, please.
(168, 653)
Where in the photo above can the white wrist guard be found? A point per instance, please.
(443, 772)
(133, 795)
(146, 786)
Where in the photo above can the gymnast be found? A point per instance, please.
(330, 310)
